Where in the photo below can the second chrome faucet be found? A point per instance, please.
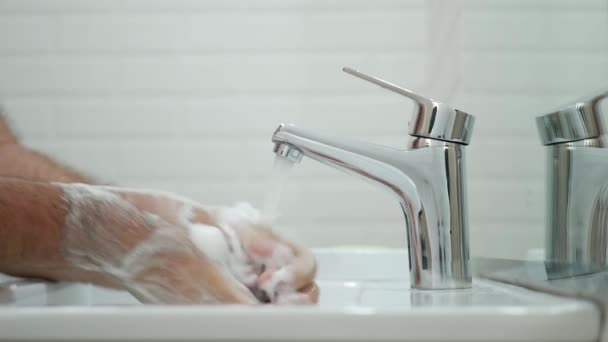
(577, 183)
(428, 179)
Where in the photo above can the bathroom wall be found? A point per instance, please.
(184, 95)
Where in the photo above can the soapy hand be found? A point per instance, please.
(167, 249)
(283, 272)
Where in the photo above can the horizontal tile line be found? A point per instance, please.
(195, 96)
(212, 135)
(321, 182)
(477, 56)
(530, 92)
(204, 93)
(421, 49)
(386, 223)
(6, 53)
(206, 10)
(185, 57)
(346, 8)
(475, 50)
(543, 9)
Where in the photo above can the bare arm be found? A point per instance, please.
(136, 240)
(32, 213)
(17, 161)
(77, 232)
(31, 229)
(32, 216)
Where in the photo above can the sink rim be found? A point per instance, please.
(564, 320)
(186, 322)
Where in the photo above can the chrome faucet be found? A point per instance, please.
(577, 182)
(428, 179)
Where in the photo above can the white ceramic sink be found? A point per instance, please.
(365, 296)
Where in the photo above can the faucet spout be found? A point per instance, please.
(428, 180)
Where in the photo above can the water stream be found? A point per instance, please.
(281, 170)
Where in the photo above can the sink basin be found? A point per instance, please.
(365, 296)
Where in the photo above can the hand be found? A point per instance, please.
(286, 270)
(166, 249)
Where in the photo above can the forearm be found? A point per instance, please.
(32, 216)
(19, 162)
(32, 222)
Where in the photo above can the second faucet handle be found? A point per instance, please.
(577, 121)
(432, 119)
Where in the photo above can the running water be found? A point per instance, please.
(281, 170)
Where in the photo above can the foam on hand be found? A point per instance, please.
(276, 281)
(91, 244)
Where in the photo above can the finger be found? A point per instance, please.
(219, 285)
(297, 275)
(259, 240)
(307, 295)
(230, 291)
(287, 264)
(175, 285)
(260, 248)
(179, 273)
(303, 268)
(202, 215)
(299, 261)
(312, 291)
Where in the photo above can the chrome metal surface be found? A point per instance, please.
(538, 270)
(289, 152)
(431, 119)
(430, 184)
(577, 121)
(577, 184)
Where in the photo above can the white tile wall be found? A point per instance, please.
(184, 95)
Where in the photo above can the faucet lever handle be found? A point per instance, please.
(432, 119)
(420, 100)
(579, 120)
